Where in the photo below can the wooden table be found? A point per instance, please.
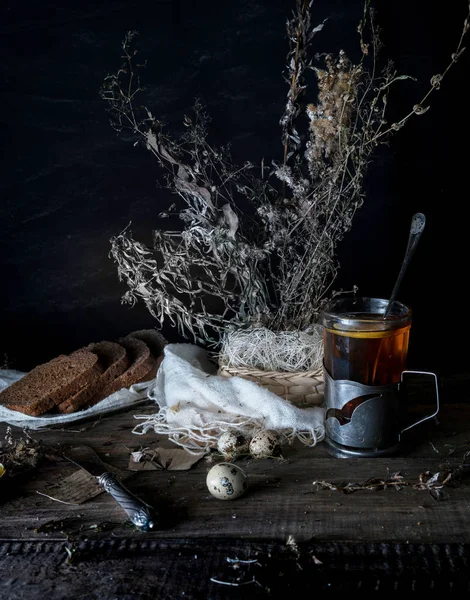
(285, 533)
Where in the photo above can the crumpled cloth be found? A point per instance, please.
(126, 397)
(196, 405)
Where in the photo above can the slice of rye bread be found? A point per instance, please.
(114, 360)
(141, 362)
(151, 374)
(156, 342)
(49, 384)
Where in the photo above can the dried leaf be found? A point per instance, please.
(257, 251)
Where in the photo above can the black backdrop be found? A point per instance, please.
(69, 183)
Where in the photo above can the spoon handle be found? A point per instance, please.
(418, 222)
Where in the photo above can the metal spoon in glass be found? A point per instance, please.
(418, 222)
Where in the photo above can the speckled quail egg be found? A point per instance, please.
(226, 481)
(232, 443)
(265, 444)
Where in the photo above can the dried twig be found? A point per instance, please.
(434, 483)
(55, 499)
(234, 583)
(20, 454)
(273, 264)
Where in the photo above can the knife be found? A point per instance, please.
(141, 514)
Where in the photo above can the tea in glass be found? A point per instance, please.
(362, 345)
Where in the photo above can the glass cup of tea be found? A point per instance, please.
(364, 363)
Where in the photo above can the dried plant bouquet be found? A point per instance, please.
(255, 258)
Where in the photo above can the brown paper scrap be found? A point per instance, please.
(81, 486)
(156, 459)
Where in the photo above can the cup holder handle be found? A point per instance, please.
(437, 399)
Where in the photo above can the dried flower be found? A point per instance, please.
(271, 265)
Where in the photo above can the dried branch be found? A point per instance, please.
(271, 265)
(434, 483)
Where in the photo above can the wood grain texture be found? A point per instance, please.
(303, 539)
(200, 570)
(281, 500)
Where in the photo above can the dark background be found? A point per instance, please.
(69, 182)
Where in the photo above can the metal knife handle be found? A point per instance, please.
(139, 512)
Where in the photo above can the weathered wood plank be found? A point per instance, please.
(281, 501)
(201, 569)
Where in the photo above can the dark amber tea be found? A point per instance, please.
(361, 345)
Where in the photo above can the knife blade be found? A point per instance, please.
(141, 514)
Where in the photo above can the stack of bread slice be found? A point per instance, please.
(73, 382)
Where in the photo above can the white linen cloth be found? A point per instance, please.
(196, 405)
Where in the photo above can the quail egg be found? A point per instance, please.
(232, 443)
(265, 444)
(226, 481)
